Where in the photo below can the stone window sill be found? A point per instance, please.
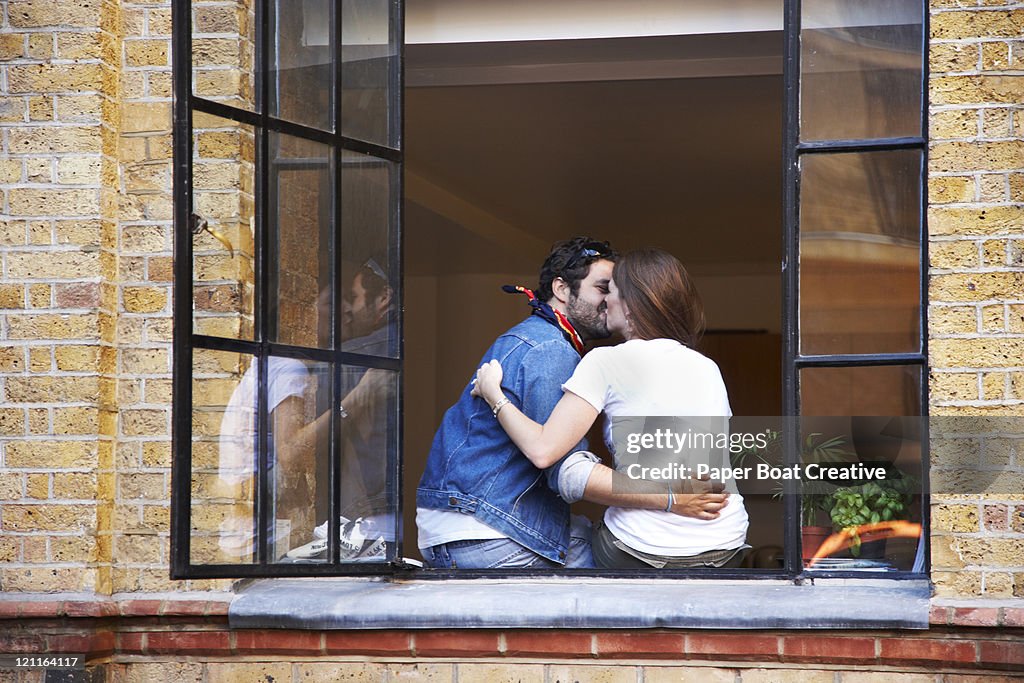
(580, 603)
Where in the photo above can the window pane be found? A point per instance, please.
(369, 67)
(302, 78)
(860, 69)
(878, 390)
(223, 50)
(302, 242)
(223, 445)
(369, 271)
(860, 252)
(861, 481)
(299, 401)
(369, 453)
(223, 265)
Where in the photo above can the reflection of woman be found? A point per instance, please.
(653, 304)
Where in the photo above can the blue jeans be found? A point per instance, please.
(504, 553)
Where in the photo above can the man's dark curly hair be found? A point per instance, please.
(568, 260)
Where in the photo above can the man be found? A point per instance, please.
(481, 503)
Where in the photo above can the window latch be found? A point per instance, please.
(200, 225)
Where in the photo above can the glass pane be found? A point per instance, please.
(369, 68)
(861, 488)
(860, 69)
(877, 390)
(860, 252)
(302, 242)
(369, 453)
(370, 280)
(223, 51)
(223, 448)
(299, 400)
(301, 78)
(223, 224)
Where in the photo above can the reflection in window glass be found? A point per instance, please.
(879, 390)
(223, 257)
(860, 252)
(302, 263)
(302, 78)
(370, 283)
(299, 401)
(224, 433)
(369, 59)
(369, 451)
(223, 51)
(861, 68)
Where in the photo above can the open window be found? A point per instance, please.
(334, 263)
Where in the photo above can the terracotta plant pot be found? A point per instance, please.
(811, 539)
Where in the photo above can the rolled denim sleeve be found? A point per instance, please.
(573, 474)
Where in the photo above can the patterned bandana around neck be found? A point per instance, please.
(554, 317)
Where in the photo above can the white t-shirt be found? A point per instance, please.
(660, 377)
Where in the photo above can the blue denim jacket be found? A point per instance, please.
(475, 468)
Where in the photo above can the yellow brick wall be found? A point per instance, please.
(85, 295)
(976, 281)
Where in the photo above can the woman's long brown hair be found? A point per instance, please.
(660, 296)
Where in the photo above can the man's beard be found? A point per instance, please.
(587, 319)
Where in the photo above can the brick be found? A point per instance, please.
(990, 156)
(188, 643)
(79, 170)
(639, 645)
(947, 386)
(504, 672)
(35, 202)
(152, 672)
(40, 46)
(48, 517)
(948, 190)
(976, 89)
(53, 265)
(418, 673)
(974, 616)
(368, 643)
(45, 13)
(457, 643)
(531, 643)
(1001, 654)
(977, 24)
(995, 123)
(986, 352)
(50, 389)
(952, 57)
(793, 676)
(146, 52)
(144, 299)
(925, 651)
(12, 296)
(56, 78)
(943, 220)
(39, 296)
(996, 517)
(993, 386)
(1012, 617)
(329, 672)
(145, 361)
(975, 286)
(592, 673)
(50, 454)
(144, 117)
(273, 641)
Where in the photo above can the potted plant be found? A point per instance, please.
(869, 503)
(815, 496)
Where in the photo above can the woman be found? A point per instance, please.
(652, 303)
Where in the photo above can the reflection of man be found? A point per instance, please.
(368, 328)
(481, 503)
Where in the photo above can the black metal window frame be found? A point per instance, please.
(186, 339)
(185, 102)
